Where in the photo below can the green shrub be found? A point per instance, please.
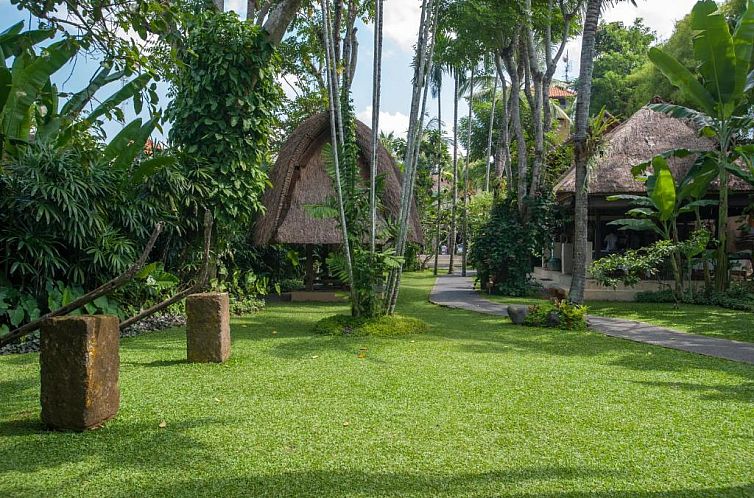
(384, 326)
(561, 315)
(739, 297)
(503, 248)
(245, 306)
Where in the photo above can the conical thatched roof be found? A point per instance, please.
(643, 136)
(299, 179)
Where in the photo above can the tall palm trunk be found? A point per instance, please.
(424, 54)
(581, 153)
(454, 202)
(439, 178)
(465, 219)
(376, 88)
(337, 139)
(489, 136)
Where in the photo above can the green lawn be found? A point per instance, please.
(475, 407)
(704, 320)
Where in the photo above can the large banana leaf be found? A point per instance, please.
(129, 90)
(78, 101)
(637, 200)
(30, 75)
(699, 177)
(713, 46)
(642, 225)
(13, 41)
(5, 81)
(681, 77)
(661, 188)
(743, 41)
(691, 206)
(150, 166)
(129, 143)
(641, 168)
(680, 112)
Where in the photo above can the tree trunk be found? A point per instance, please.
(537, 76)
(280, 18)
(454, 201)
(518, 129)
(503, 155)
(439, 179)
(337, 140)
(578, 283)
(489, 136)
(376, 89)
(465, 219)
(425, 51)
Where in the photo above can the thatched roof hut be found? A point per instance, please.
(643, 136)
(299, 178)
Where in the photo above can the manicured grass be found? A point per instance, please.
(474, 407)
(704, 320)
(711, 321)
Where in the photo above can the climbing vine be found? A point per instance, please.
(225, 96)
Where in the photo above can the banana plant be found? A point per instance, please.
(720, 91)
(666, 201)
(30, 108)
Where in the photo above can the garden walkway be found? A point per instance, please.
(455, 291)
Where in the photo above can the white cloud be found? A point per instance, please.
(396, 123)
(401, 23)
(660, 16)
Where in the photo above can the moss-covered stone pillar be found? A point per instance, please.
(79, 363)
(208, 328)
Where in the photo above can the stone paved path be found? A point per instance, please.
(455, 291)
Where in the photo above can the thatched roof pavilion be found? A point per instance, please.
(643, 136)
(299, 179)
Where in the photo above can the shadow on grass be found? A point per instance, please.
(137, 445)
(350, 483)
(356, 482)
(743, 392)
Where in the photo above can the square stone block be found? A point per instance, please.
(208, 327)
(79, 362)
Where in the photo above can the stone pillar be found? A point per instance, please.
(208, 328)
(79, 363)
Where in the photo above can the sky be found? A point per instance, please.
(400, 31)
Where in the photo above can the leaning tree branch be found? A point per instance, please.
(199, 285)
(87, 298)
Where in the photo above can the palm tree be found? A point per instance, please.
(337, 138)
(591, 20)
(376, 76)
(581, 153)
(454, 202)
(436, 87)
(424, 55)
(464, 223)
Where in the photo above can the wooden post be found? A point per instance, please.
(309, 268)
